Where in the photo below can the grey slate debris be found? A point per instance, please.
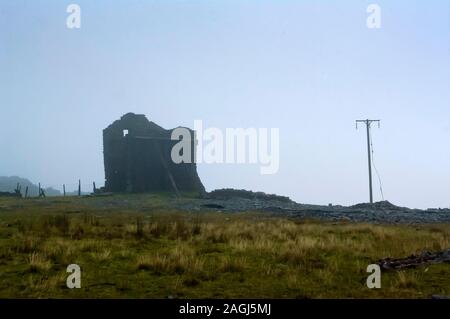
(228, 200)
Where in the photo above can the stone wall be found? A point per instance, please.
(137, 159)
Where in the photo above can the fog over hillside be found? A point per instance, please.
(307, 68)
(9, 184)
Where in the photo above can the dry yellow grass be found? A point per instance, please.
(38, 262)
(124, 253)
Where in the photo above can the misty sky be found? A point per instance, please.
(309, 68)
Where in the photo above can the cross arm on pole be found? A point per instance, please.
(368, 122)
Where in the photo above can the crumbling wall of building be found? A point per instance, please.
(137, 158)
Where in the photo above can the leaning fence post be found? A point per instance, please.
(17, 191)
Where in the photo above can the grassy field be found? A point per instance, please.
(135, 247)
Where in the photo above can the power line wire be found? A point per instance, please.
(375, 167)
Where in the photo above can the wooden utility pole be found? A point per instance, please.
(79, 187)
(369, 151)
(64, 189)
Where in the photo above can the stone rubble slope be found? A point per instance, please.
(229, 200)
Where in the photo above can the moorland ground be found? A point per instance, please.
(136, 246)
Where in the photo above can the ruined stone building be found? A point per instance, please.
(137, 158)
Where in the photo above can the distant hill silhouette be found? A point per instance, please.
(9, 184)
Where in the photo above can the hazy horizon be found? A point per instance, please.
(309, 68)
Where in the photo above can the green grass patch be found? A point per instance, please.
(136, 246)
